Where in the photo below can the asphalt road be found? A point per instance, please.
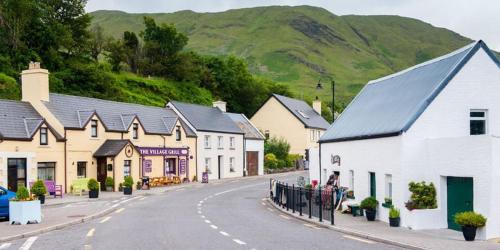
(225, 215)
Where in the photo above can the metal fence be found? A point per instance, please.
(318, 203)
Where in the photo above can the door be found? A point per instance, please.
(102, 172)
(170, 166)
(460, 198)
(373, 185)
(16, 173)
(219, 165)
(252, 163)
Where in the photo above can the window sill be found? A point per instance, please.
(95, 138)
(44, 146)
(232, 148)
(208, 148)
(220, 148)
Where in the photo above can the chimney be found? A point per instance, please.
(221, 105)
(317, 105)
(35, 83)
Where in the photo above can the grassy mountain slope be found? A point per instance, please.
(295, 45)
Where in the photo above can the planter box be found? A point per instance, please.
(426, 219)
(22, 212)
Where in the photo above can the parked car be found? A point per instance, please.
(5, 196)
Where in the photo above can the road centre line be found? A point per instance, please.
(270, 209)
(284, 217)
(28, 243)
(207, 221)
(239, 242)
(5, 245)
(119, 210)
(105, 219)
(358, 239)
(235, 189)
(143, 198)
(224, 233)
(91, 232)
(213, 226)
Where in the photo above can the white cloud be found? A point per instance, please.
(478, 19)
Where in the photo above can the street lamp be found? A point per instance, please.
(319, 86)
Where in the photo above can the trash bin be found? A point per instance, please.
(145, 182)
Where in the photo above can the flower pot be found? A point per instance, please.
(469, 233)
(127, 190)
(24, 212)
(370, 214)
(93, 194)
(41, 198)
(139, 187)
(394, 222)
(109, 188)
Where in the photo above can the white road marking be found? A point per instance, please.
(87, 247)
(213, 226)
(69, 205)
(264, 199)
(311, 226)
(123, 198)
(105, 219)
(205, 199)
(199, 212)
(5, 245)
(116, 205)
(180, 189)
(239, 242)
(201, 202)
(358, 239)
(202, 216)
(27, 244)
(284, 217)
(263, 204)
(115, 201)
(224, 233)
(270, 209)
(207, 221)
(91, 232)
(119, 210)
(143, 198)
(234, 189)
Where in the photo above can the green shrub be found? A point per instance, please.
(279, 147)
(23, 194)
(369, 203)
(308, 186)
(109, 182)
(470, 219)
(38, 188)
(270, 161)
(291, 159)
(281, 163)
(394, 213)
(128, 182)
(93, 184)
(423, 195)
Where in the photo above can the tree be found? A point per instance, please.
(132, 50)
(115, 53)
(97, 42)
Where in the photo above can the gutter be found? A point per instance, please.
(362, 137)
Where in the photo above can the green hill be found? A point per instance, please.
(296, 45)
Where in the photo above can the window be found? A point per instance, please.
(44, 139)
(351, 179)
(207, 165)
(312, 135)
(208, 143)
(126, 167)
(231, 164)
(81, 169)
(388, 186)
(135, 131)
(318, 134)
(478, 124)
(178, 133)
(93, 131)
(266, 134)
(46, 171)
(220, 142)
(231, 142)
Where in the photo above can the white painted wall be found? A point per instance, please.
(256, 145)
(314, 165)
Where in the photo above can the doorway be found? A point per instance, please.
(220, 162)
(253, 163)
(102, 172)
(460, 198)
(16, 173)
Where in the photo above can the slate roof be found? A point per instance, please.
(205, 118)
(251, 132)
(390, 105)
(74, 112)
(111, 148)
(303, 112)
(18, 120)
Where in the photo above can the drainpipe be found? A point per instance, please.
(245, 157)
(320, 163)
(65, 163)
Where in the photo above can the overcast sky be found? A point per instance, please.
(476, 19)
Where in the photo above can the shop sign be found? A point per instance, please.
(145, 151)
(182, 166)
(147, 166)
(204, 177)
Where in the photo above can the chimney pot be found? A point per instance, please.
(221, 105)
(35, 83)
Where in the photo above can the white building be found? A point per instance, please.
(220, 142)
(438, 122)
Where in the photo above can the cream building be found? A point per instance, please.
(291, 119)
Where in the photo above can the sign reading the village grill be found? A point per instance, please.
(335, 159)
(147, 166)
(145, 151)
(182, 166)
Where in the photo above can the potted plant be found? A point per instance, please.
(370, 206)
(387, 202)
(394, 218)
(24, 209)
(138, 185)
(470, 221)
(110, 183)
(93, 186)
(39, 190)
(120, 187)
(308, 191)
(127, 185)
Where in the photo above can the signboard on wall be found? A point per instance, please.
(145, 151)
(335, 160)
(147, 166)
(204, 177)
(182, 166)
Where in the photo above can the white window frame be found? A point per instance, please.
(232, 160)
(220, 142)
(208, 163)
(388, 186)
(485, 119)
(232, 143)
(207, 142)
(351, 179)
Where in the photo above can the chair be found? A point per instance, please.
(52, 188)
(80, 185)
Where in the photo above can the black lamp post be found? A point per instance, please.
(319, 86)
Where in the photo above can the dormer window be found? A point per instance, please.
(135, 131)
(93, 128)
(478, 122)
(44, 137)
(178, 133)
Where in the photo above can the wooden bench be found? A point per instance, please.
(52, 188)
(80, 185)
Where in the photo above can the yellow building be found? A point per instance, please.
(93, 138)
(291, 119)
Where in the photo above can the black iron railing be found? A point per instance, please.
(318, 202)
